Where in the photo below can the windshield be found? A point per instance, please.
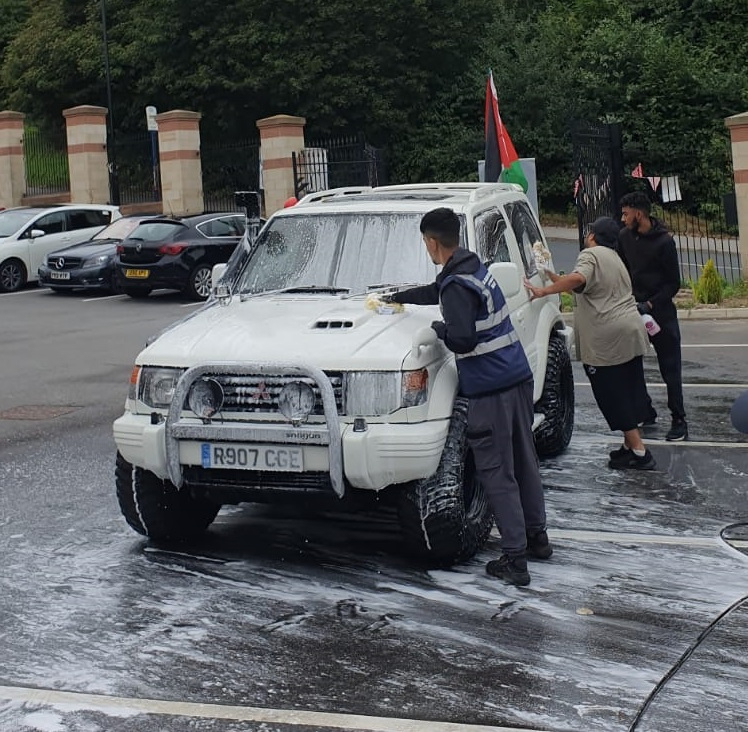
(352, 251)
(118, 229)
(12, 221)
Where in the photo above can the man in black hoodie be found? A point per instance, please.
(649, 253)
(495, 377)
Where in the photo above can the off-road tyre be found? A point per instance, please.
(137, 293)
(553, 435)
(446, 518)
(156, 508)
(198, 285)
(13, 275)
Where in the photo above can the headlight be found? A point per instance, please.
(371, 393)
(415, 387)
(96, 261)
(156, 386)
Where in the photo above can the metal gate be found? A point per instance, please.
(598, 162)
(229, 165)
(335, 163)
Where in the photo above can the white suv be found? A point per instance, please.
(28, 235)
(291, 383)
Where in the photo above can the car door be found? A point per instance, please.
(54, 236)
(526, 232)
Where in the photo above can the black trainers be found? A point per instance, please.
(538, 545)
(632, 461)
(512, 569)
(621, 452)
(679, 431)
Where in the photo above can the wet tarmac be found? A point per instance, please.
(284, 620)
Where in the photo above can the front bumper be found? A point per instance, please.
(91, 278)
(382, 455)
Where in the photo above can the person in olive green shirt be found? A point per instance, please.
(612, 338)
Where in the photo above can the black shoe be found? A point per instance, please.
(679, 431)
(538, 545)
(632, 461)
(621, 452)
(512, 569)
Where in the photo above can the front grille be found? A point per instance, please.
(259, 393)
(256, 480)
(68, 263)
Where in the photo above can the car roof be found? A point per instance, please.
(409, 197)
(62, 206)
(193, 219)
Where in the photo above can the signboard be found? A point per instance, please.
(150, 119)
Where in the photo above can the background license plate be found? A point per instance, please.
(138, 274)
(60, 275)
(252, 457)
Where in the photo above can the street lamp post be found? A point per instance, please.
(111, 152)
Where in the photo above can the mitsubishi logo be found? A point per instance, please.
(60, 263)
(262, 394)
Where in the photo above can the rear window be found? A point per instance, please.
(156, 231)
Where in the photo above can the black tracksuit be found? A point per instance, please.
(652, 262)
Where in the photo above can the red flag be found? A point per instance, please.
(637, 172)
(501, 159)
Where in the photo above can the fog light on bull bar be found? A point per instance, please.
(205, 398)
(415, 387)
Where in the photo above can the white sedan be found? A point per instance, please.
(28, 235)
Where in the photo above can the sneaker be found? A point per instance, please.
(621, 452)
(679, 431)
(512, 569)
(538, 545)
(632, 461)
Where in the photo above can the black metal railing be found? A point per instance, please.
(46, 161)
(137, 162)
(228, 166)
(337, 162)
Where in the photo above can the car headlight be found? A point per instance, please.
(376, 393)
(156, 386)
(96, 261)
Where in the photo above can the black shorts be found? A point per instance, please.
(621, 393)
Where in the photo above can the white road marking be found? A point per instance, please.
(104, 297)
(714, 345)
(291, 717)
(675, 540)
(38, 291)
(685, 386)
(192, 304)
(692, 443)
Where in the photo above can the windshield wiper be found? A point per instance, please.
(384, 286)
(299, 289)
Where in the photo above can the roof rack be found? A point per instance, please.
(333, 193)
(475, 191)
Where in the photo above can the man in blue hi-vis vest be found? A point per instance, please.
(496, 379)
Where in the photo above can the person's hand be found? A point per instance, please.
(644, 308)
(387, 298)
(532, 291)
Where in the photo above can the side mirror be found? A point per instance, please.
(216, 273)
(36, 233)
(508, 277)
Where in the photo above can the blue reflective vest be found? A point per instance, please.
(498, 360)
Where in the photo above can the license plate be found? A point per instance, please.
(60, 275)
(137, 274)
(252, 457)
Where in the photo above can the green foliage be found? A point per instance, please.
(708, 288)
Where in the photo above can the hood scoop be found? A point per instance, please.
(340, 321)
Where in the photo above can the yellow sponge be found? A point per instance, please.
(373, 302)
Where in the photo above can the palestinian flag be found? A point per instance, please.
(502, 162)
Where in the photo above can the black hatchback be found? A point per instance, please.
(177, 253)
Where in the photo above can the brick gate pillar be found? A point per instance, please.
(12, 169)
(87, 154)
(280, 136)
(738, 126)
(181, 168)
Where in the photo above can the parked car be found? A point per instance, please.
(89, 265)
(28, 235)
(177, 253)
(296, 383)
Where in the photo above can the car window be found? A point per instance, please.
(87, 218)
(156, 231)
(527, 233)
(12, 221)
(225, 226)
(490, 234)
(51, 223)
